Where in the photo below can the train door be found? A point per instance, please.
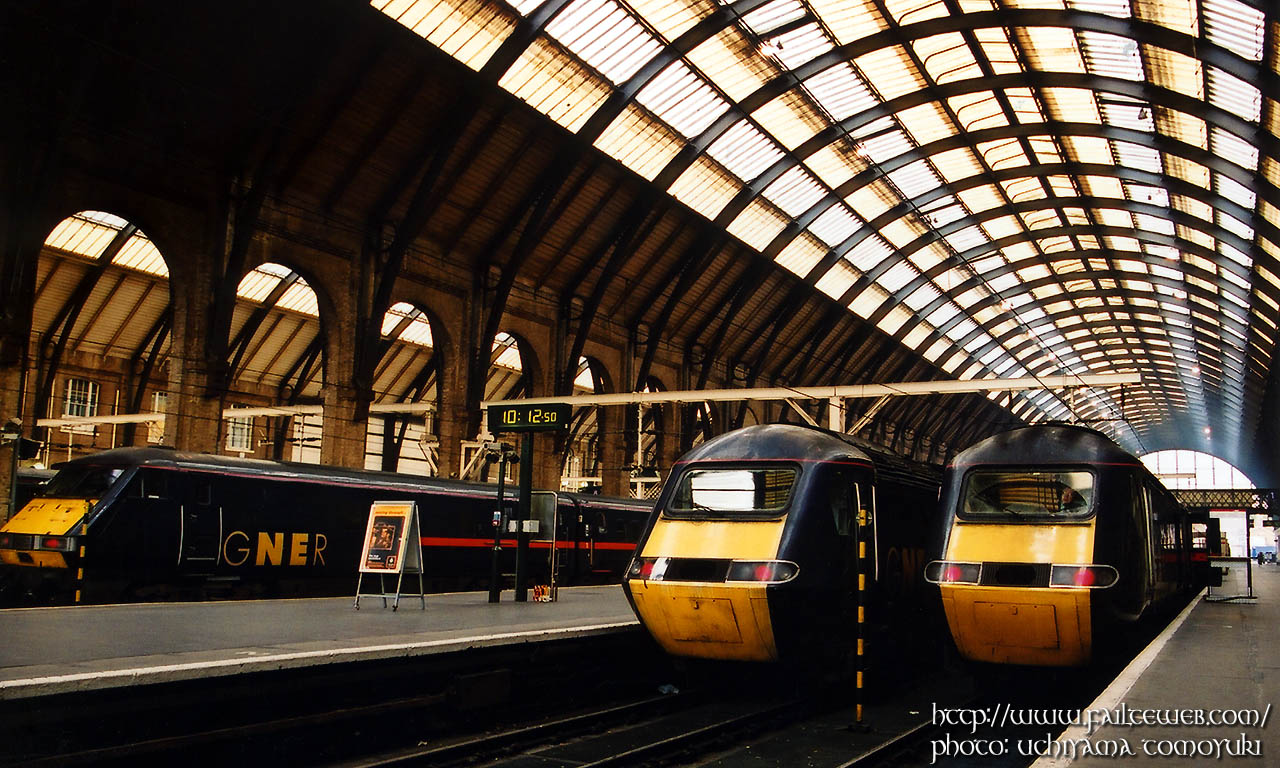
(201, 527)
(845, 495)
(569, 533)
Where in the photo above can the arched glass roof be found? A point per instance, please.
(1008, 187)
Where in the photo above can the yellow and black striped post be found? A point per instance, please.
(860, 657)
(80, 566)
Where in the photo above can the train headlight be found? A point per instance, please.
(769, 571)
(648, 568)
(951, 572)
(1088, 576)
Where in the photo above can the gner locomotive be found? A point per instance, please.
(1055, 539)
(135, 523)
(752, 552)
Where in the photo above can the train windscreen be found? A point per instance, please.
(81, 482)
(761, 491)
(1013, 494)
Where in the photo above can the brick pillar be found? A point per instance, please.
(614, 461)
(345, 423)
(454, 339)
(670, 444)
(343, 429)
(193, 419)
(10, 385)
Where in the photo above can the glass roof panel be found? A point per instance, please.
(835, 225)
(1235, 26)
(606, 36)
(744, 150)
(840, 91)
(795, 191)
(682, 99)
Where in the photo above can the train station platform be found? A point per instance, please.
(1203, 692)
(47, 651)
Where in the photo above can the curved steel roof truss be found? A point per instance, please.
(997, 187)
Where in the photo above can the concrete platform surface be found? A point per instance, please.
(53, 650)
(1203, 693)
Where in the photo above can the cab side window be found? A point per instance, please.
(149, 485)
(840, 494)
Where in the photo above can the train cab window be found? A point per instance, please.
(204, 493)
(733, 491)
(82, 482)
(149, 485)
(1015, 494)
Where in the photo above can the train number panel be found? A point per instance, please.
(1054, 543)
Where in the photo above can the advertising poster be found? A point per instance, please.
(385, 538)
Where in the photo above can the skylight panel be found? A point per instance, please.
(922, 297)
(1001, 283)
(943, 314)
(798, 46)
(995, 353)
(961, 329)
(794, 191)
(915, 179)
(942, 216)
(105, 219)
(603, 34)
(837, 280)
(886, 146)
(1141, 193)
(1136, 156)
(1234, 225)
(868, 253)
(299, 297)
(1117, 8)
(744, 150)
(947, 58)
(764, 20)
(1235, 26)
(141, 254)
(979, 340)
(801, 255)
(1240, 258)
(1234, 95)
(966, 239)
(1166, 252)
(1235, 191)
(866, 303)
(682, 99)
(1127, 115)
(1169, 273)
(835, 225)
(1227, 145)
(1148, 223)
(897, 276)
(840, 91)
(890, 72)
(1111, 55)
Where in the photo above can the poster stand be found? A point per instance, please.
(392, 545)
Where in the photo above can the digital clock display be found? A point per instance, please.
(529, 418)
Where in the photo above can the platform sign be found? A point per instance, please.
(521, 417)
(392, 546)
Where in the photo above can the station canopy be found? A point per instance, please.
(1008, 187)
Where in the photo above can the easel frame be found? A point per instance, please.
(392, 544)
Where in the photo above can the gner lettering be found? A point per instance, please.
(263, 548)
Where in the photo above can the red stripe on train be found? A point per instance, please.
(448, 541)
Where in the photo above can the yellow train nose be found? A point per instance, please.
(727, 622)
